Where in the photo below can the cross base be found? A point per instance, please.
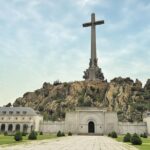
(93, 73)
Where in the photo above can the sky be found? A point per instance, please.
(43, 41)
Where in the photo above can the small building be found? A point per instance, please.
(84, 120)
(22, 119)
(91, 120)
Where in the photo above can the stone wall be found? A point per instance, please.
(147, 120)
(52, 126)
(125, 127)
(111, 122)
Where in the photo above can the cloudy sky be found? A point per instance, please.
(43, 41)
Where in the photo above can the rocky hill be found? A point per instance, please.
(128, 98)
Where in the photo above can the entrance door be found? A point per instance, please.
(91, 127)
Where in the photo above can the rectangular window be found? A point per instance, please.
(4, 112)
(18, 112)
(11, 112)
(24, 112)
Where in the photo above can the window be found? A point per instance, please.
(16, 118)
(24, 112)
(11, 112)
(18, 112)
(4, 112)
(23, 118)
(2, 118)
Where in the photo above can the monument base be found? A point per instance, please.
(93, 73)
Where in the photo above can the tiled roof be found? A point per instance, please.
(17, 111)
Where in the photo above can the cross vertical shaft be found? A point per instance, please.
(93, 40)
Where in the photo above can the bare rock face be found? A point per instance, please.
(147, 85)
(122, 95)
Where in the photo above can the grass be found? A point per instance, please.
(9, 140)
(145, 143)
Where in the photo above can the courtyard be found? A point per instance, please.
(73, 143)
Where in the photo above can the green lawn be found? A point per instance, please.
(145, 143)
(10, 139)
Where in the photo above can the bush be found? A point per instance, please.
(141, 135)
(32, 135)
(114, 134)
(69, 133)
(145, 135)
(57, 82)
(59, 134)
(24, 133)
(18, 136)
(136, 140)
(5, 133)
(109, 134)
(62, 134)
(41, 133)
(127, 138)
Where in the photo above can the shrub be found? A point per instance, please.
(18, 136)
(114, 134)
(69, 133)
(32, 135)
(141, 135)
(136, 140)
(145, 135)
(24, 133)
(59, 134)
(109, 134)
(127, 138)
(57, 82)
(41, 133)
(5, 133)
(62, 134)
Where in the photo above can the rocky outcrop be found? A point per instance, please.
(122, 95)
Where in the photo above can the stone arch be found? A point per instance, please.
(3, 127)
(10, 128)
(25, 128)
(91, 119)
(91, 127)
(17, 127)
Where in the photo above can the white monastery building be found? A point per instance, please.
(84, 120)
(22, 119)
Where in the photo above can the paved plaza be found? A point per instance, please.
(73, 143)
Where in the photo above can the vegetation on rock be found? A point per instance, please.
(128, 98)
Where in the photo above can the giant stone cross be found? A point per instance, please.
(93, 72)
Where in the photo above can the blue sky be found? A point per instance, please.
(43, 41)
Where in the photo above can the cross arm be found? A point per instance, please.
(87, 24)
(99, 22)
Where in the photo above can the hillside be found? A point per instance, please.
(128, 98)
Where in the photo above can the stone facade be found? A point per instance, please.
(22, 119)
(88, 120)
(84, 120)
(91, 120)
